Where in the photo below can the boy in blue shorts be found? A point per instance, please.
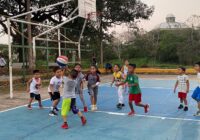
(196, 93)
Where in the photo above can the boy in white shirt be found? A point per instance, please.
(33, 87)
(182, 84)
(54, 90)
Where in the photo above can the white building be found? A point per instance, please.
(171, 24)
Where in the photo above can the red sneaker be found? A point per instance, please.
(85, 109)
(64, 126)
(41, 107)
(131, 113)
(29, 107)
(84, 121)
(146, 108)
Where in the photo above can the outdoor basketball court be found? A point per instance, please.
(163, 122)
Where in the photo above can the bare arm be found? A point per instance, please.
(175, 87)
(188, 86)
(112, 81)
(28, 85)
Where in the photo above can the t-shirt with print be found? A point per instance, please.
(69, 88)
(92, 79)
(133, 79)
(182, 83)
(118, 76)
(35, 85)
(56, 82)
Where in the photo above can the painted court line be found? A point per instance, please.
(137, 115)
(149, 116)
(10, 109)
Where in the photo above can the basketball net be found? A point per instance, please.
(94, 19)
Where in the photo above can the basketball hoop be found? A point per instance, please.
(94, 18)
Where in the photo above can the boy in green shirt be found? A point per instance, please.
(134, 90)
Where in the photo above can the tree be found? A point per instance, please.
(112, 12)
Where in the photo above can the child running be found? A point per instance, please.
(134, 90)
(54, 90)
(79, 86)
(117, 78)
(69, 98)
(93, 79)
(33, 86)
(183, 88)
(196, 93)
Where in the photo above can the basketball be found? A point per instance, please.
(62, 61)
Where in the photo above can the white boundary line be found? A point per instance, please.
(137, 115)
(20, 106)
(149, 116)
(33, 103)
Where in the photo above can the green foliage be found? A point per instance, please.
(166, 46)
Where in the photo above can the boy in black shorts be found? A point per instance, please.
(54, 90)
(33, 86)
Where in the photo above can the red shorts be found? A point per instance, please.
(137, 98)
(182, 95)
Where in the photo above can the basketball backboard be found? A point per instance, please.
(87, 7)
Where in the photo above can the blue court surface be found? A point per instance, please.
(163, 122)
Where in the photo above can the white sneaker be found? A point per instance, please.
(197, 114)
(92, 108)
(95, 108)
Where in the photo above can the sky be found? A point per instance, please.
(182, 9)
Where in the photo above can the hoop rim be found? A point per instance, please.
(91, 14)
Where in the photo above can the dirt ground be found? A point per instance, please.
(21, 97)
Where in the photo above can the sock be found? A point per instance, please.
(186, 105)
(181, 104)
(52, 108)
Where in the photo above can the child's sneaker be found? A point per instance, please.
(185, 108)
(119, 106)
(41, 107)
(92, 108)
(131, 113)
(95, 108)
(52, 113)
(146, 108)
(29, 107)
(64, 126)
(197, 114)
(83, 120)
(180, 107)
(85, 109)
